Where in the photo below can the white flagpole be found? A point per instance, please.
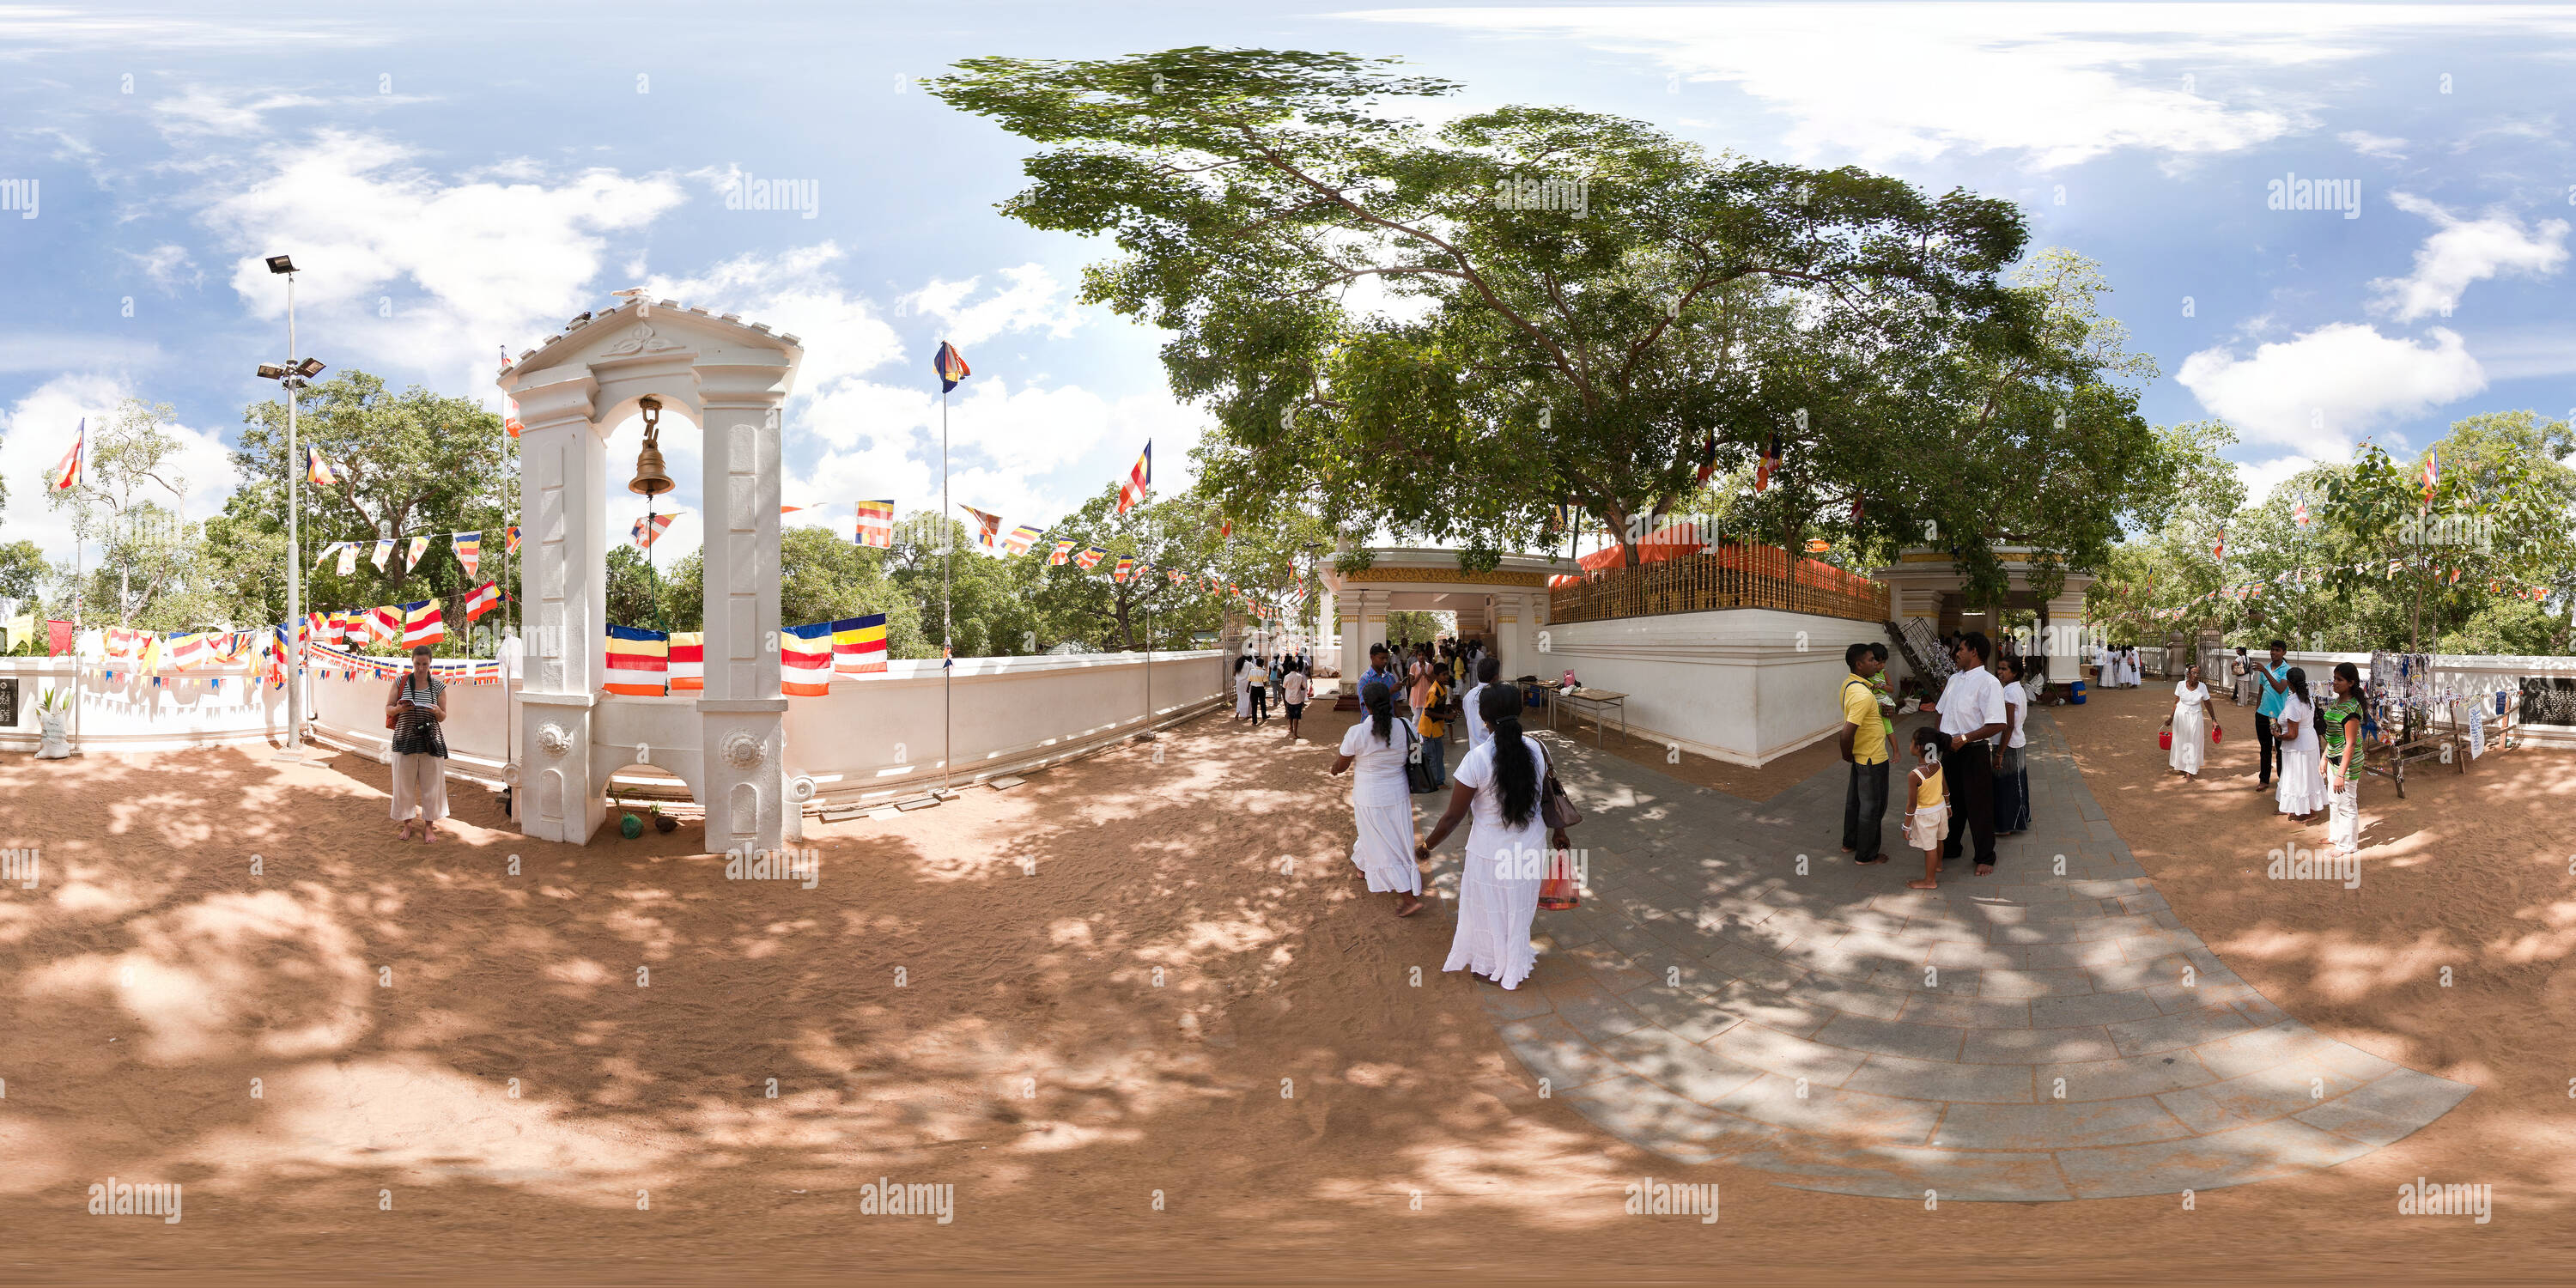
(948, 552)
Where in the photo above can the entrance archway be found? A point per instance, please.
(731, 378)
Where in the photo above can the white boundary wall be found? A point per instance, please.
(872, 739)
(1742, 685)
(128, 713)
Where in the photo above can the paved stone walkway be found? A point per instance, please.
(2033, 1034)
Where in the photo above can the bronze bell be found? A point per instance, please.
(650, 478)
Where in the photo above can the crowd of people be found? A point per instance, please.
(1968, 784)
(1285, 681)
(2314, 737)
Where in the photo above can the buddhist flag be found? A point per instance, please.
(859, 645)
(1707, 456)
(876, 524)
(950, 365)
(1770, 464)
(317, 468)
(1063, 553)
(419, 547)
(1138, 479)
(2299, 511)
(639, 661)
(277, 657)
(385, 623)
(689, 662)
(510, 416)
(422, 624)
(469, 550)
(354, 630)
(649, 529)
(1174, 574)
(1090, 557)
(1125, 566)
(188, 652)
(348, 557)
(1021, 538)
(384, 551)
(2219, 550)
(485, 598)
(2432, 473)
(67, 474)
(513, 547)
(328, 551)
(987, 526)
(805, 660)
(789, 509)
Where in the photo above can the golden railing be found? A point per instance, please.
(1734, 577)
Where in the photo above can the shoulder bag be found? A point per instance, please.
(1555, 808)
(1417, 776)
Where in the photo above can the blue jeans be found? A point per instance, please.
(1435, 756)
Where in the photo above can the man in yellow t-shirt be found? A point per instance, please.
(1434, 730)
(1864, 747)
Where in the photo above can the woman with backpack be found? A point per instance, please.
(1375, 751)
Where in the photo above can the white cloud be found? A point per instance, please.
(2061, 82)
(169, 266)
(198, 112)
(864, 421)
(2373, 145)
(2462, 251)
(1031, 302)
(2260, 478)
(2313, 394)
(42, 426)
(402, 269)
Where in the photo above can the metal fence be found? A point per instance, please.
(1736, 577)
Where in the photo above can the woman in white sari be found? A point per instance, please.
(1375, 750)
(2191, 722)
(1243, 688)
(1501, 783)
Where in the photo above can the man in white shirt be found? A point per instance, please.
(1488, 670)
(1972, 710)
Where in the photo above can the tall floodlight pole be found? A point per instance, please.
(291, 379)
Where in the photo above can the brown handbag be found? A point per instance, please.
(1555, 808)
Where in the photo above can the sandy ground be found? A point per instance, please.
(1138, 1012)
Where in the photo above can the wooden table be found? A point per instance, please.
(1596, 702)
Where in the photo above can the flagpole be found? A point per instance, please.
(948, 553)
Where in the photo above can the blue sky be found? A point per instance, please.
(459, 181)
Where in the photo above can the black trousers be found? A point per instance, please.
(1260, 703)
(1970, 773)
(1865, 811)
(2264, 739)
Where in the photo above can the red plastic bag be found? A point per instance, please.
(2214, 731)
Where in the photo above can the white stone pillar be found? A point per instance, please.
(564, 586)
(1516, 637)
(743, 713)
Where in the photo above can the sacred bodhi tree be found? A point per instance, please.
(1448, 332)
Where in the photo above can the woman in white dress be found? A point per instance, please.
(1500, 783)
(1242, 688)
(2192, 719)
(2303, 771)
(2129, 666)
(1374, 750)
(2106, 668)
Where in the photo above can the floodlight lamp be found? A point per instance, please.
(271, 371)
(309, 368)
(281, 264)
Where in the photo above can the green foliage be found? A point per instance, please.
(2372, 568)
(1548, 344)
(420, 462)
